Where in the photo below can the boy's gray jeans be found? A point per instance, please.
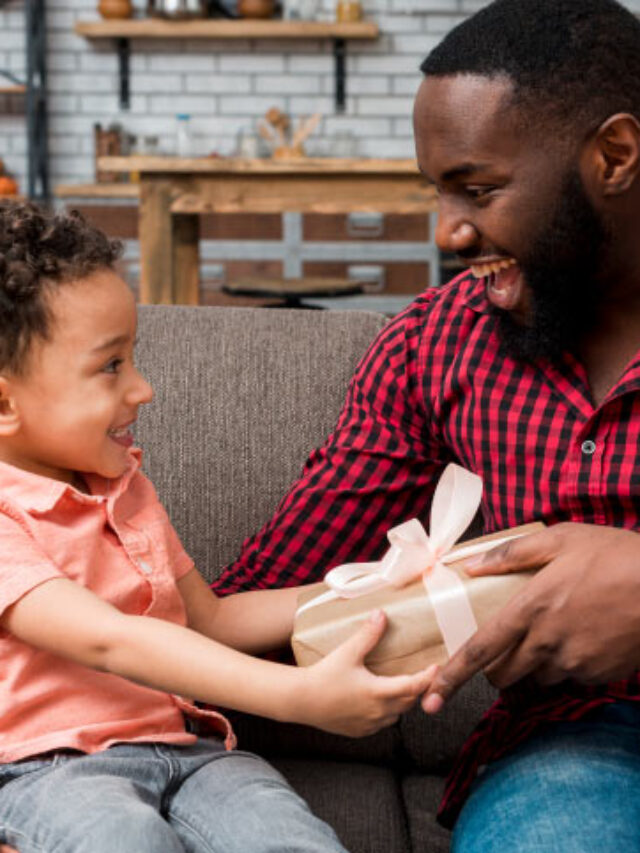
(147, 798)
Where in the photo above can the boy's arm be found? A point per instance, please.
(252, 622)
(337, 694)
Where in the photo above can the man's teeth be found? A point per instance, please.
(483, 270)
(120, 432)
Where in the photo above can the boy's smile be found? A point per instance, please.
(72, 409)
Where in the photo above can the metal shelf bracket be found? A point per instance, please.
(339, 53)
(122, 46)
(340, 72)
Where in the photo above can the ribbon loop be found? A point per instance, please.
(455, 503)
(414, 554)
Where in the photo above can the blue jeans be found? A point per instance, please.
(573, 788)
(155, 798)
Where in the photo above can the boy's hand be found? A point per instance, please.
(342, 696)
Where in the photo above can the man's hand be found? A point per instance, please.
(578, 618)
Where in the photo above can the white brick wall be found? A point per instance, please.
(225, 86)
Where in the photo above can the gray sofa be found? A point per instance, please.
(241, 396)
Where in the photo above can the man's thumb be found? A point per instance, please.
(368, 635)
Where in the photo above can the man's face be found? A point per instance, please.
(512, 208)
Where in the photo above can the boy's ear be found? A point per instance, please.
(9, 415)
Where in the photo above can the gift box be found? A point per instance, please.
(432, 605)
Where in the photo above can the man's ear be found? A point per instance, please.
(9, 414)
(615, 154)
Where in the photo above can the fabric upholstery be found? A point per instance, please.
(421, 794)
(242, 396)
(361, 801)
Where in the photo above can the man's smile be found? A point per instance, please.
(504, 282)
(481, 269)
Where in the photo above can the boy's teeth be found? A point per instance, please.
(482, 270)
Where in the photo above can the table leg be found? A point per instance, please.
(186, 259)
(156, 241)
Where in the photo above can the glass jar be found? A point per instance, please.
(348, 11)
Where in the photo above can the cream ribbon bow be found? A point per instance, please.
(414, 553)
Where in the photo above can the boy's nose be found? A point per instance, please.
(141, 391)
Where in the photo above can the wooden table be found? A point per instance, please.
(175, 191)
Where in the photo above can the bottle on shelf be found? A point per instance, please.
(184, 142)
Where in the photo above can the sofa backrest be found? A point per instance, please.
(241, 397)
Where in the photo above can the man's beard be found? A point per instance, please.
(561, 272)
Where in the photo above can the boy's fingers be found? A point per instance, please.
(366, 637)
(406, 687)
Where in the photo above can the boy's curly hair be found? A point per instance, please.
(38, 252)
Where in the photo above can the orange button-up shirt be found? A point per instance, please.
(118, 542)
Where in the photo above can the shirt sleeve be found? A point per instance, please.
(377, 469)
(23, 564)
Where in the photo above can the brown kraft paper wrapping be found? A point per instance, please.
(412, 640)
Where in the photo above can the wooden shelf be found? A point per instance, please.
(224, 29)
(124, 29)
(13, 90)
(97, 190)
(264, 166)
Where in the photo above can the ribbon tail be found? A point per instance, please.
(451, 607)
(329, 595)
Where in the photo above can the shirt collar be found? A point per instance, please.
(36, 493)
(473, 292)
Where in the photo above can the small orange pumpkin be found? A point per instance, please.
(8, 186)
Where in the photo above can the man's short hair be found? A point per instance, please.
(577, 61)
(38, 252)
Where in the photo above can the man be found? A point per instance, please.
(526, 370)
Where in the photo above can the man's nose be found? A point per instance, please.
(454, 232)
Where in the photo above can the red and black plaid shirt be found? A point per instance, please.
(437, 387)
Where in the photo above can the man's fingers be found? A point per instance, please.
(526, 658)
(487, 645)
(517, 555)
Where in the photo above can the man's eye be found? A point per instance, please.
(478, 192)
(112, 366)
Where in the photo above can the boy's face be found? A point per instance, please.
(76, 402)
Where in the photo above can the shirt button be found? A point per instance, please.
(145, 567)
(588, 447)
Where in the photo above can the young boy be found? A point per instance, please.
(105, 623)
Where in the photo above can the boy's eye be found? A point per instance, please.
(112, 366)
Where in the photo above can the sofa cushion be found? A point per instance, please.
(362, 802)
(242, 396)
(432, 742)
(287, 740)
(422, 794)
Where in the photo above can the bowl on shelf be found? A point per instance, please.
(256, 8)
(115, 8)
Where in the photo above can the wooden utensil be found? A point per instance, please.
(305, 129)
